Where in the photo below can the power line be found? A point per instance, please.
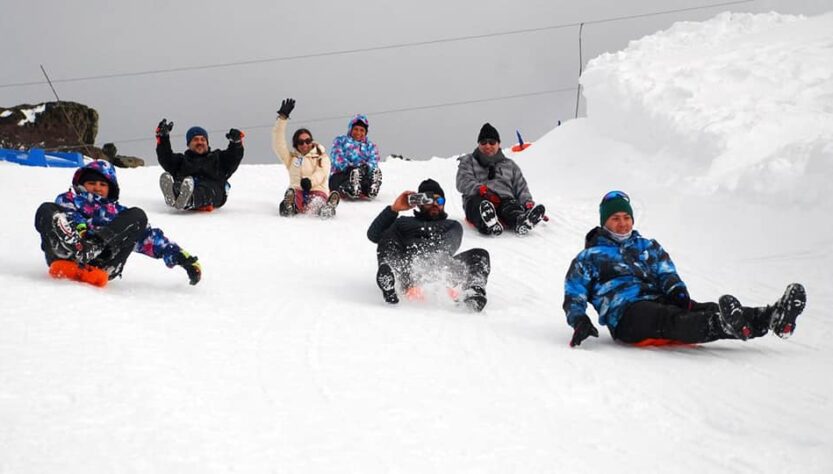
(385, 112)
(370, 48)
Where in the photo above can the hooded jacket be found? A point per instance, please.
(613, 275)
(507, 181)
(94, 211)
(347, 152)
(315, 165)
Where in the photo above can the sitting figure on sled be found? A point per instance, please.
(636, 291)
(418, 250)
(495, 193)
(86, 235)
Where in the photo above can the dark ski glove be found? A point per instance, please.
(235, 136)
(191, 265)
(582, 330)
(164, 128)
(306, 184)
(287, 105)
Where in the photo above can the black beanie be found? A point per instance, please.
(431, 186)
(90, 174)
(487, 131)
(360, 124)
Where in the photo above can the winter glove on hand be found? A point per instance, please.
(529, 204)
(306, 184)
(582, 330)
(682, 299)
(81, 229)
(191, 265)
(287, 105)
(164, 128)
(235, 136)
(489, 195)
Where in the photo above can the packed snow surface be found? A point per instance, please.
(286, 359)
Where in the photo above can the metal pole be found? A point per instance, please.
(580, 64)
(66, 116)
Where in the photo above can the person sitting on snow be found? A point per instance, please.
(355, 169)
(495, 193)
(198, 178)
(420, 249)
(87, 235)
(636, 291)
(309, 169)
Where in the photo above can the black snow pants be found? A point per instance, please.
(655, 320)
(118, 238)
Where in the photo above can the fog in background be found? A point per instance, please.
(98, 37)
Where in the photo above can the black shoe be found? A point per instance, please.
(328, 210)
(732, 320)
(490, 220)
(475, 298)
(65, 239)
(529, 219)
(166, 184)
(352, 188)
(787, 309)
(186, 194)
(287, 207)
(89, 249)
(387, 283)
(375, 183)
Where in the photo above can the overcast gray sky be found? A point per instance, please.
(101, 37)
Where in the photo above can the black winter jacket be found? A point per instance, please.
(418, 233)
(215, 165)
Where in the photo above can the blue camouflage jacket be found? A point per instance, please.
(613, 275)
(93, 211)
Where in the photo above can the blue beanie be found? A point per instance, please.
(193, 132)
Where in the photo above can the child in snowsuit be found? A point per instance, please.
(87, 235)
(355, 169)
(309, 170)
(636, 291)
(198, 178)
(495, 193)
(418, 249)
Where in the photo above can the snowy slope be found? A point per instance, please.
(286, 359)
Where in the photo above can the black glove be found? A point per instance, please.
(306, 184)
(582, 330)
(235, 136)
(164, 128)
(491, 172)
(191, 265)
(287, 105)
(680, 298)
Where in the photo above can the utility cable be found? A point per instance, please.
(370, 48)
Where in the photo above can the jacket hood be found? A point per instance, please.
(103, 168)
(357, 118)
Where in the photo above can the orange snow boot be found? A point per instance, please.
(71, 271)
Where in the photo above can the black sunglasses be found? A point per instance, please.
(307, 141)
(488, 141)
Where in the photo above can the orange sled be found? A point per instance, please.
(71, 271)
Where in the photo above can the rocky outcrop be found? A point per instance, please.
(56, 126)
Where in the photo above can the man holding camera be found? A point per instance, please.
(495, 194)
(421, 249)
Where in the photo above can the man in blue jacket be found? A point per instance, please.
(636, 291)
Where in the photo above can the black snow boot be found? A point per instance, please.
(287, 207)
(787, 309)
(387, 283)
(490, 221)
(166, 184)
(732, 320)
(529, 219)
(475, 298)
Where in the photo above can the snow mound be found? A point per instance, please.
(741, 102)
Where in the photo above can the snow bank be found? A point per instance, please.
(741, 102)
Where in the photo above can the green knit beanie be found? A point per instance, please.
(613, 202)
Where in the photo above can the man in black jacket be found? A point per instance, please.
(198, 178)
(420, 249)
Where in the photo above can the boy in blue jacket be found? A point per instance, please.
(87, 235)
(636, 291)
